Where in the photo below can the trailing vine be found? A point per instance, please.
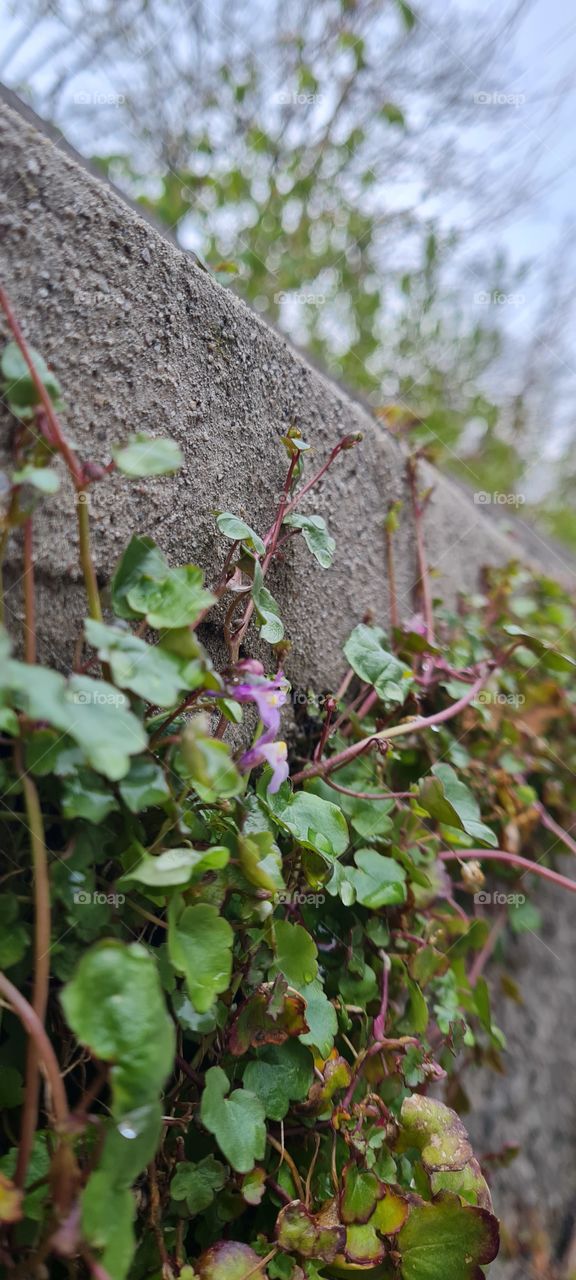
(242, 985)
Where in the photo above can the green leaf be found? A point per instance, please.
(226, 1260)
(368, 656)
(237, 1122)
(379, 881)
(85, 795)
(315, 535)
(408, 14)
(200, 947)
(469, 1183)
(436, 1131)
(296, 953)
(175, 868)
(13, 936)
(236, 529)
(108, 1214)
(94, 713)
(321, 1018)
(142, 561)
(450, 801)
(282, 1074)
(360, 1191)
(115, 1006)
(550, 656)
(447, 1241)
(131, 1143)
(302, 1232)
(19, 390)
(197, 1183)
(269, 1016)
(148, 456)
(144, 786)
(176, 601)
(45, 479)
(266, 608)
(145, 669)
(415, 1017)
(316, 823)
(261, 861)
(393, 114)
(207, 763)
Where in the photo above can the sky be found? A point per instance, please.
(544, 53)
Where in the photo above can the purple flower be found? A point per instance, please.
(273, 753)
(269, 695)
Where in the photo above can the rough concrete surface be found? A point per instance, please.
(142, 340)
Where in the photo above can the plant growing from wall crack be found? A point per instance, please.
(231, 975)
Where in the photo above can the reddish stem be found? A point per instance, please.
(33, 1026)
(514, 859)
(484, 955)
(548, 821)
(42, 939)
(347, 443)
(379, 1026)
(330, 708)
(409, 726)
(72, 462)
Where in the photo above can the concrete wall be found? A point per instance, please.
(143, 340)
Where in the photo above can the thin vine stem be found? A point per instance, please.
(86, 561)
(42, 938)
(324, 767)
(514, 859)
(58, 439)
(30, 1020)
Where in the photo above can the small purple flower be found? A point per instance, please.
(269, 695)
(273, 753)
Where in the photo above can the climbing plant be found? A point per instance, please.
(243, 985)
